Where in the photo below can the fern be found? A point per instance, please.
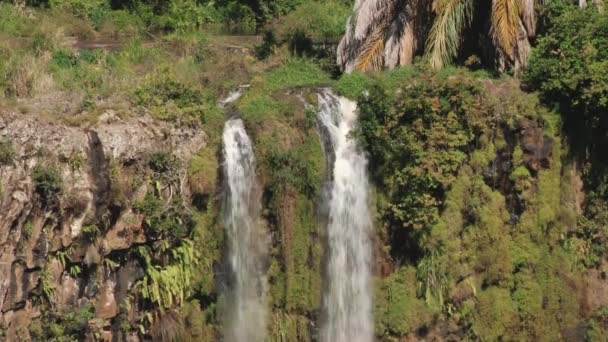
(46, 285)
(169, 285)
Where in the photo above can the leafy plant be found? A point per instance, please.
(27, 230)
(76, 161)
(163, 163)
(90, 233)
(46, 285)
(163, 221)
(7, 152)
(75, 271)
(47, 182)
(168, 285)
(64, 59)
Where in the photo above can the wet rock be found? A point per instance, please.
(127, 275)
(66, 296)
(22, 282)
(33, 234)
(127, 231)
(537, 147)
(106, 302)
(15, 324)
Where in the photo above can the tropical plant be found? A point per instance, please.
(91, 232)
(386, 33)
(171, 284)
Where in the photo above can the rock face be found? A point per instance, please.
(47, 237)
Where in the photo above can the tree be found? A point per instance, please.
(387, 33)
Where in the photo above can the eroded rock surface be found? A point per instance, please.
(46, 243)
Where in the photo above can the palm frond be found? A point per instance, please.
(371, 56)
(444, 38)
(505, 23)
(370, 13)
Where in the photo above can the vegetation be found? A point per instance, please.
(481, 229)
(48, 182)
(479, 237)
(7, 153)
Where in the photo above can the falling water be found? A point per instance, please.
(246, 241)
(347, 300)
(233, 96)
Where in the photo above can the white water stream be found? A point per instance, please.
(347, 299)
(247, 242)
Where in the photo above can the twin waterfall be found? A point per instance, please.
(347, 298)
(246, 241)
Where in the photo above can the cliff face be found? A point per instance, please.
(65, 220)
(113, 232)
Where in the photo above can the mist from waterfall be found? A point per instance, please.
(245, 319)
(347, 304)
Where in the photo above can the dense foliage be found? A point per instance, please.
(480, 231)
(467, 213)
(569, 67)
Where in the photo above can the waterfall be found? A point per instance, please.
(347, 298)
(232, 96)
(246, 241)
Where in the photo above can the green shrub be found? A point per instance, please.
(163, 163)
(13, 21)
(170, 284)
(396, 309)
(27, 230)
(295, 73)
(7, 153)
(320, 20)
(164, 221)
(422, 137)
(353, 85)
(48, 183)
(41, 42)
(171, 99)
(290, 168)
(497, 315)
(65, 59)
(90, 232)
(187, 15)
(83, 9)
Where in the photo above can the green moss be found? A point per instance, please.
(289, 327)
(397, 311)
(353, 85)
(303, 260)
(549, 196)
(203, 171)
(496, 316)
(294, 73)
(257, 109)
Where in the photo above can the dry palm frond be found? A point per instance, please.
(369, 13)
(505, 23)
(371, 56)
(444, 38)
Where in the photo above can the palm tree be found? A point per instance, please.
(387, 33)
